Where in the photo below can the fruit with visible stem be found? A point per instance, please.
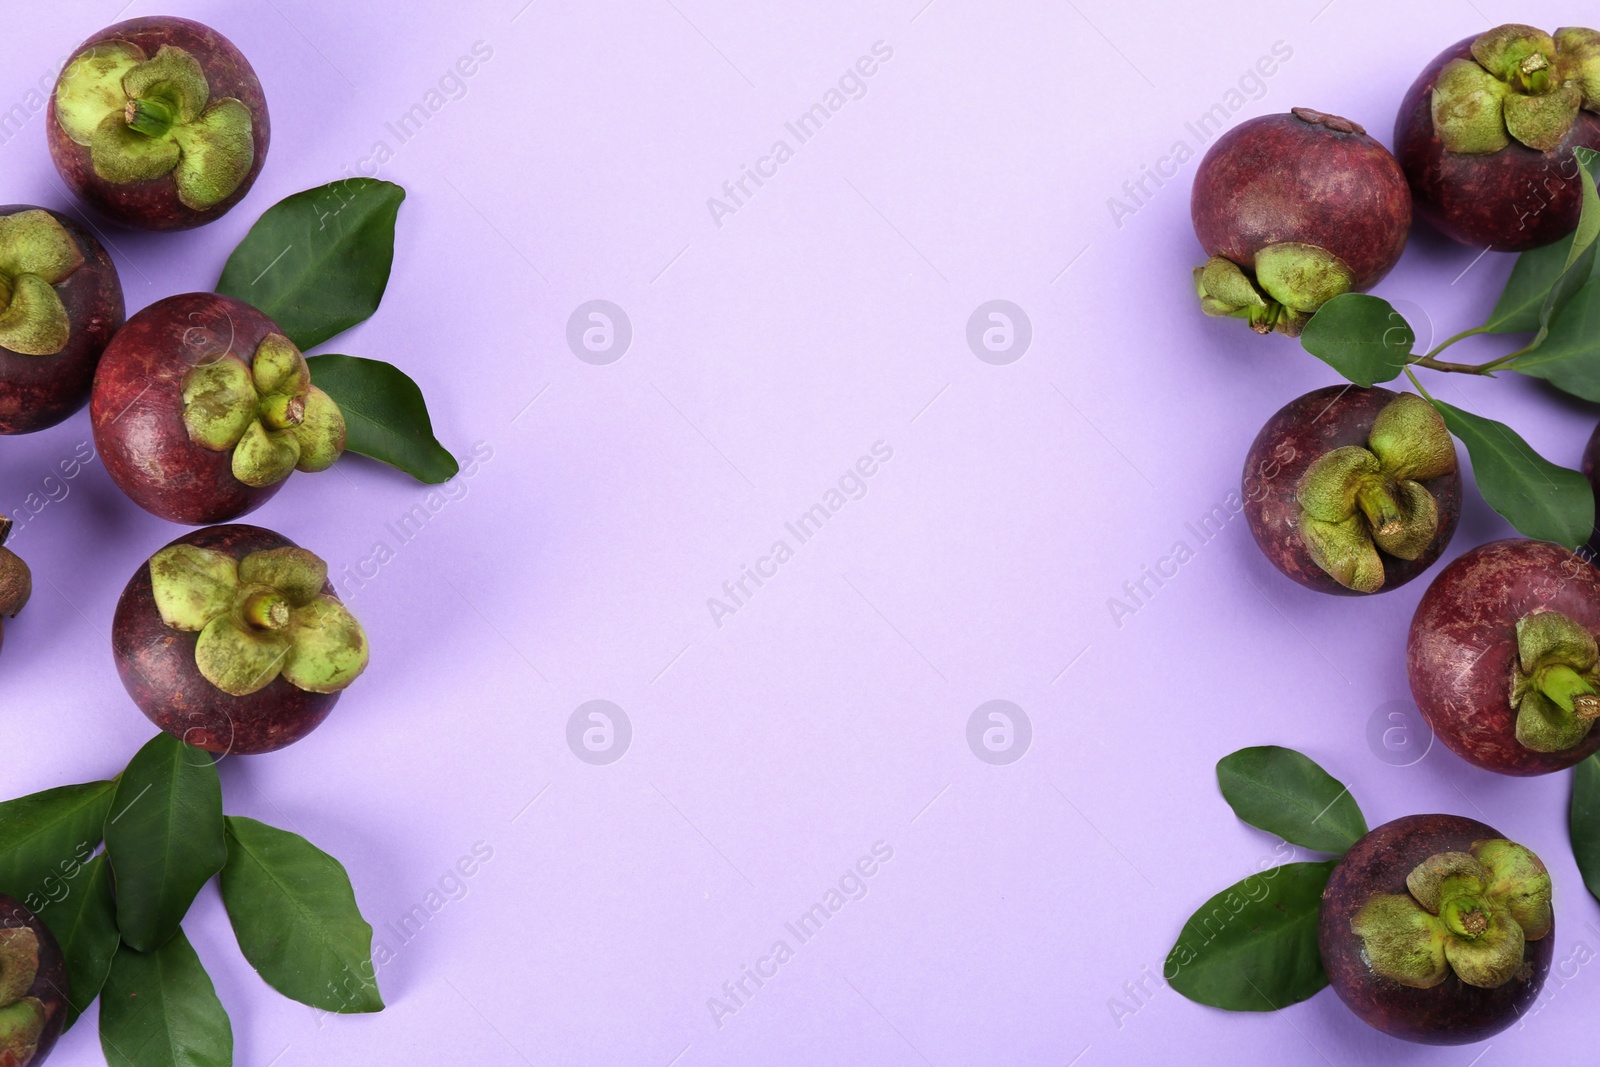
(1436, 929)
(33, 983)
(60, 303)
(1486, 135)
(232, 639)
(1352, 491)
(1294, 210)
(1503, 660)
(160, 123)
(202, 408)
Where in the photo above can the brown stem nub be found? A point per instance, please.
(266, 610)
(1586, 706)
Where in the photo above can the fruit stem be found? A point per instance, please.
(149, 117)
(1570, 692)
(283, 412)
(1378, 504)
(266, 610)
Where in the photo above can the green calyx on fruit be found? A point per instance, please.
(144, 117)
(36, 255)
(22, 1017)
(1555, 682)
(260, 617)
(1291, 281)
(1522, 85)
(1356, 503)
(1467, 912)
(267, 413)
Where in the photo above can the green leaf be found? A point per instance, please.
(318, 262)
(1579, 263)
(1523, 298)
(84, 923)
(1569, 359)
(159, 1009)
(1283, 792)
(1583, 822)
(385, 415)
(1362, 337)
(1543, 501)
(295, 915)
(1253, 946)
(164, 838)
(45, 835)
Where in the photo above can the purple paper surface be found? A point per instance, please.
(794, 350)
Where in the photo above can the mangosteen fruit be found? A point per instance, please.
(1435, 928)
(232, 639)
(159, 123)
(1503, 660)
(1486, 135)
(1294, 210)
(201, 408)
(60, 303)
(1351, 490)
(33, 987)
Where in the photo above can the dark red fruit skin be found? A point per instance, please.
(1302, 430)
(137, 408)
(1463, 643)
(154, 204)
(1278, 178)
(40, 391)
(1451, 1013)
(158, 669)
(1511, 201)
(50, 985)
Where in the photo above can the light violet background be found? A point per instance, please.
(1027, 908)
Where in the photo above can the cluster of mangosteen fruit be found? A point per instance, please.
(231, 637)
(1432, 928)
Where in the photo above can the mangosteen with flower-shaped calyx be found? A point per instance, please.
(160, 123)
(1353, 491)
(202, 408)
(1435, 928)
(1486, 135)
(33, 984)
(60, 303)
(232, 639)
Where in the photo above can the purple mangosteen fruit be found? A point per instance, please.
(1351, 490)
(232, 639)
(33, 987)
(60, 303)
(1295, 210)
(1486, 135)
(1436, 929)
(201, 408)
(1503, 660)
(159, 123)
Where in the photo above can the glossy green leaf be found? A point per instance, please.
(44, 836)
(164, 838)
(1285, 793)
(1580, 259)
(1522, 300)
(295, 915)
(1543, 501)
(84, 923)
(385, 415)
(1253, 946)
(318, 262)
(1362, 337)
(159, 1009)
(1583, 822)
(1569, 359)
